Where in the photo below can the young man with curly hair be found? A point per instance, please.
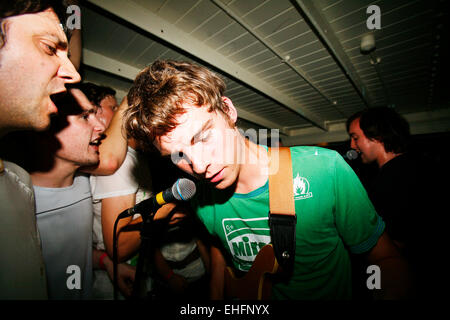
(181, 109)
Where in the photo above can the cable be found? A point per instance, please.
(115, 258)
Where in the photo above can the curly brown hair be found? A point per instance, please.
(160, 90)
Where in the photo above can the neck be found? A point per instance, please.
(254, 166)
(4, 129)
(386, 157)
(60, 175)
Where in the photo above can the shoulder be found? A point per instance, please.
(17, 172)
(400, 167)
(310, 152)
(19, 181)
(80, 185)
(81, 180)
(315, 157)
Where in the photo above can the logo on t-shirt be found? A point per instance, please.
(245, 237)
(301, 188)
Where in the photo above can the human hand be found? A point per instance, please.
(164, 211)
(176, 217)
(125, 277)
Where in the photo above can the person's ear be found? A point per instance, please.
(232, 112)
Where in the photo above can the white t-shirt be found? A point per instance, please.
(178, 251)
(64, 219)
(133, 177)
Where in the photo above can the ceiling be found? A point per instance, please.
(291, 65)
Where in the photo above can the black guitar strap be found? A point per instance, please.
(282, 217)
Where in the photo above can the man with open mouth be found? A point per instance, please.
(33, 66)
(63, 196)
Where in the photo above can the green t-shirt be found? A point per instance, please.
(333, 214)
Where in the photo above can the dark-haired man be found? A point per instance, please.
(104, 98)
(381, 135)
(63, 197)
(34, 65)
(378, 134)
(404, 191)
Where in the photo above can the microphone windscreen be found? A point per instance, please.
(351, 154)
(183, 189)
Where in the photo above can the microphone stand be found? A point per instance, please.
(143, 268)
(145, 254)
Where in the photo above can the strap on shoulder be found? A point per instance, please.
(282, 217)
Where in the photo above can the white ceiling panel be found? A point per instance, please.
(288, 64)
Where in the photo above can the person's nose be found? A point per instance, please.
(68, 72)
(99, 126)
(199, 164)
(353, 144)
(101, 116)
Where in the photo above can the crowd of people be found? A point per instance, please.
(72, 159)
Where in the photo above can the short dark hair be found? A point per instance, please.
(18, 7)
(95, 93)
(352, 118)
(387, 126)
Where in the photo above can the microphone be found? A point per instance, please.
(182, 190)
(351, 154)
